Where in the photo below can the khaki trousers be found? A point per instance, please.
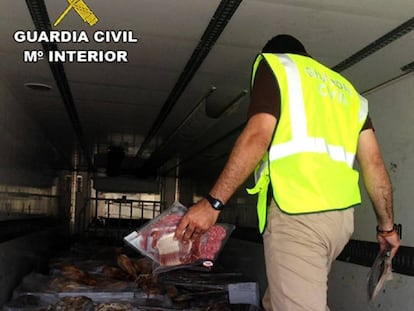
(299, 251)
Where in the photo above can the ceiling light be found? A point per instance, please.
(38, 86)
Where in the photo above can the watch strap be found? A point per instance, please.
(215, 203)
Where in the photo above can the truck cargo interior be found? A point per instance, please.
(111, 112)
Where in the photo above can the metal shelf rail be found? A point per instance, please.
(117, 217)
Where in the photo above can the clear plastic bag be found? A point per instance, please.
(156, 240)
(380, 272)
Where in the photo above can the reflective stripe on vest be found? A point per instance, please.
(301, 142)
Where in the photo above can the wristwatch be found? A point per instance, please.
(215, 203)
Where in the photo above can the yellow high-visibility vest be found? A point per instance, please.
(310, 160)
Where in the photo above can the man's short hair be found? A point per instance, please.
(284, 44)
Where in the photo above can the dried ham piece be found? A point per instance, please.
(75, 274)
(126, 265)
(143, 266)
(114, 306)
(77, 303)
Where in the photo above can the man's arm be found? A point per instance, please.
(248, 150)
(378, 185)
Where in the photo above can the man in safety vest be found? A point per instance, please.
(306, 125)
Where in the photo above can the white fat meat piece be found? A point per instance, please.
(171, 251)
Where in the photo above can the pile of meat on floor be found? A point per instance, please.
(113, 278)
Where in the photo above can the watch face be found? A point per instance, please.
(215, 203)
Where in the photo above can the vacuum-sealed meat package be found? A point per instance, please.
(156, 240)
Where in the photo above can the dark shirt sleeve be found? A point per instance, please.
(368, 124)
(265, 94)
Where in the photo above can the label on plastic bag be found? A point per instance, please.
(244, 293)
